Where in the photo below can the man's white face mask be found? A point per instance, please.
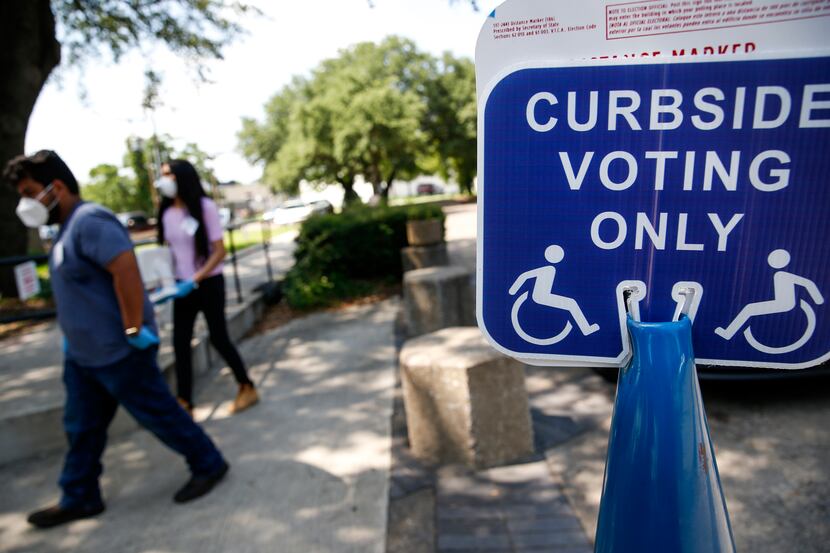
(33, 213)
(167, 187)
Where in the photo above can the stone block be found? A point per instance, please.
(438, 297)
(465, 402)
(424, 232)
(422, 257)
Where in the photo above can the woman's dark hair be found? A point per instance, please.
(189, 190)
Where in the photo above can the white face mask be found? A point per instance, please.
(167, 187)
(33, 213)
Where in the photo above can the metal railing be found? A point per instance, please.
(265, 233)
(233, 256)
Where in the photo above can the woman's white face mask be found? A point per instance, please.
(167, 187)
(33, 213)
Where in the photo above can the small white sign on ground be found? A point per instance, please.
(28, 284)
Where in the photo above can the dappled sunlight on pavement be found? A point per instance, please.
(309, 463)
(772, 444)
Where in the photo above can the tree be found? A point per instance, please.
(377, 90)
(380, 133)
(129, 188)
(260, 143)
(107, 187)
(367, 112)
(30, 48)
(202, 161)
(296, 140)
(136, 159)
(452, 120)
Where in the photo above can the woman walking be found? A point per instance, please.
(188, 221)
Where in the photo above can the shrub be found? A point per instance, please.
(345, 255)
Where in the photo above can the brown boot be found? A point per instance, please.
(247, 397)
(186, 406)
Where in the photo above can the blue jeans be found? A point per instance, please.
(92, 397)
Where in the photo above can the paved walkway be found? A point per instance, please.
(309, 465)
(512, 509)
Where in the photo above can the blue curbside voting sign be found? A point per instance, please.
(661, 177)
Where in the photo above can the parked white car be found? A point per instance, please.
(289, 213)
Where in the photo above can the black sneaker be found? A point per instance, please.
(198, 486)
(57, 515)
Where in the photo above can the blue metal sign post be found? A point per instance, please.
(661, 177)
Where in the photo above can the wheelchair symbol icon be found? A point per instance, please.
(784, 285)
(808, 333)
(542, 294)
(514, 317)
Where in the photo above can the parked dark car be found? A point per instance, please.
(134, 220)
(427, 189)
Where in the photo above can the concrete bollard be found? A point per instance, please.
(436, 298)
(465, 402)
(421, 257)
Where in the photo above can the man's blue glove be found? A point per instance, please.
(65, 345)
(184, 288)
(146, 338)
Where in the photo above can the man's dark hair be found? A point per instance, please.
(43, 167)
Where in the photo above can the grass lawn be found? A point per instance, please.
(249, 235)
(433, 198)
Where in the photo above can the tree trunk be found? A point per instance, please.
(350, 197)
(28, 53)
(384, 193)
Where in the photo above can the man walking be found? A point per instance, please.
(110, 342)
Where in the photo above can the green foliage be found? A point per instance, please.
(385, 111)
(130, 188)
(339, 256)
(424, 212)
(196, 29)
(137, 160)
(261, 143)
(109, 188)
(202, 161)
(452, 120)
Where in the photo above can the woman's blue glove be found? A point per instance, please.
(184, 288)
(146, 338)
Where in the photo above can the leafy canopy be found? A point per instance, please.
(129, 187)
(194, 29)
(382, 111)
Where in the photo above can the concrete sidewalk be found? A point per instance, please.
(31, 390)
(309, 465)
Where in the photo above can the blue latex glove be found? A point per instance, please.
(65, 345)
(184, 288)
(146, 338)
